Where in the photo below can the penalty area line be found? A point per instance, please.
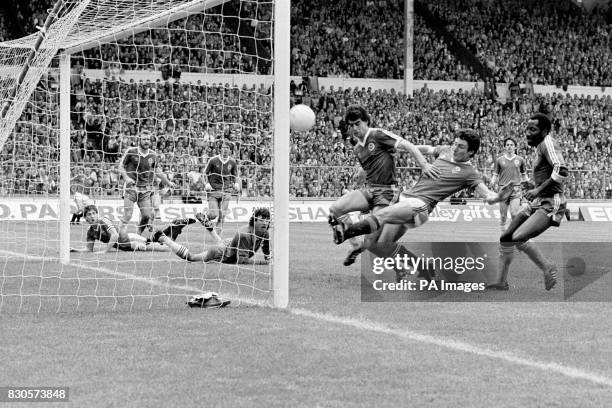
(459, 346)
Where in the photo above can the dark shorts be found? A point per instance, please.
(554, 207)
(381, 196)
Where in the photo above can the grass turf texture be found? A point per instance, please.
(164, 354)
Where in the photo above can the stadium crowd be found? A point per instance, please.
(188, 122)
(544, 42)
(189, 119)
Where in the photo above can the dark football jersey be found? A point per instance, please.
(244, 244)
(221, 174)
(509, 170)
(454, 177)
(376, 156)
(549, 163)
(101, 231)
(140, 166)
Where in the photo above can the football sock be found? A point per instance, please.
(506, 255)
(534, 254)
(363, 227)
(355, 242)
(175, 229)
(182, 252)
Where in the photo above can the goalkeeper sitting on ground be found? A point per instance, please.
(102, 229)
(240, 249)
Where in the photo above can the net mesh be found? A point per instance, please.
(193, 74)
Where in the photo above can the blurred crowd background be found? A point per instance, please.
(516, 42)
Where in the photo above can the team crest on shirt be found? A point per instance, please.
(371, 147)
(151, 161)
(456, 170)
(516, 162)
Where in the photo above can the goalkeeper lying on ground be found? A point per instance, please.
(102, 229)
(240, 249)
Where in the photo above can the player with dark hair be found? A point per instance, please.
(546, 206)
(102, 229)
(221, 181)
(509, 168)
(239, 249)
(139, 167)
(375, 149)
(456, 172)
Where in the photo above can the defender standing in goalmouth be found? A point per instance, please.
(139, 167)
(546, 205)
(221, 180)
(509, 168)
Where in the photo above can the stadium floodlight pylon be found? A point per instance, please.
(75, 26)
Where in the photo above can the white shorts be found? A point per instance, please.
(421, 211)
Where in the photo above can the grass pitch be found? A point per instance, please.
(132, 342)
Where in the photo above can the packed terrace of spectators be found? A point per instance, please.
(188, 120)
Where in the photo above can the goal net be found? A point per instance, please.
(196, 76)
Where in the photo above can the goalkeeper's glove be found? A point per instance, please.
(207, 187)
(237, 186)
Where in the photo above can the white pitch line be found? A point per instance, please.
(363, 324)
(455, 345)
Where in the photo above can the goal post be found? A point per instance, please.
(235, 100)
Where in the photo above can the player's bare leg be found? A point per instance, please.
(399, 213)
(213, 208)
(146, 213)
(223, 209)
(339, 210)
(128, 211)
(503, 215)
(357, 244)
(140, 243)
(180, 250)
(522, 228)
(534, 226)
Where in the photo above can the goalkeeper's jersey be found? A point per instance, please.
(140, 166)
(245, 244)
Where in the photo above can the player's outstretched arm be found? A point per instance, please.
(88, 248)
(427, 168)
(491, 197)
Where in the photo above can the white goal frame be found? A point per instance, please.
(281, 56)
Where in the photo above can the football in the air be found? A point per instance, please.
(302, 118)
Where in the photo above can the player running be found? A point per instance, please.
(240, 249)
(139, 167)
(456, 172)
(546, 206)
(221, 180)
(509, 168)
(102, 229)
(374, 149)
